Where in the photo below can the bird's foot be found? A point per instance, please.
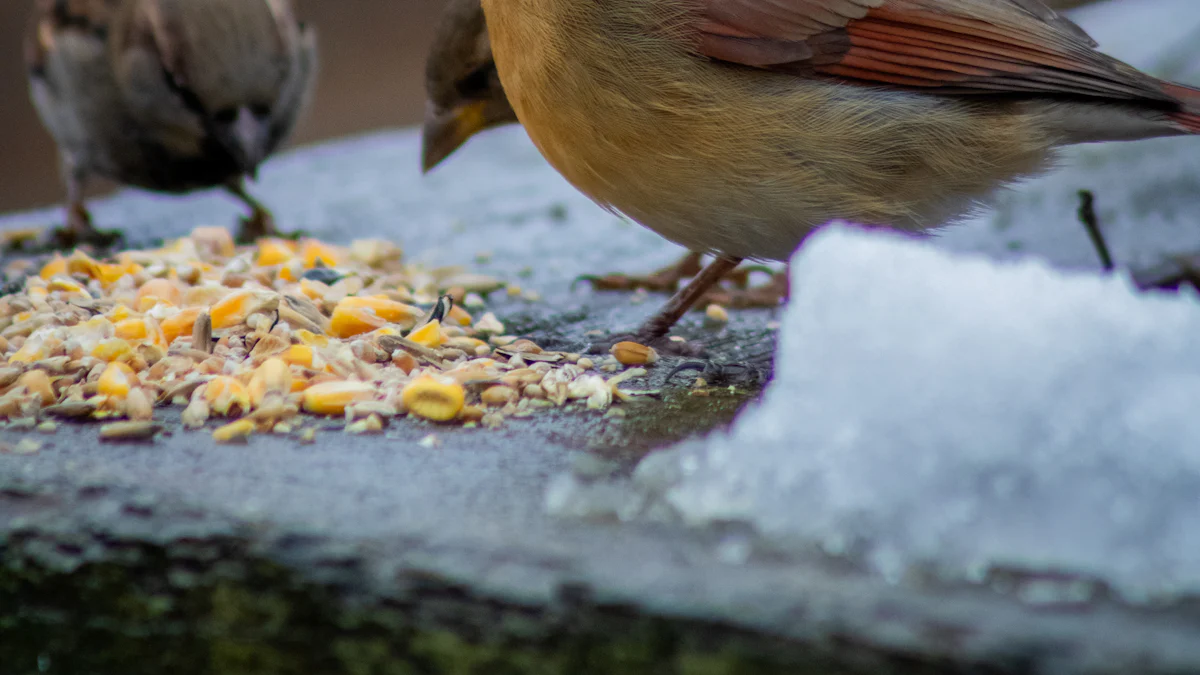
(768, 295)
(665, 280)
(260, 224)
(719, 373)
(79, 231)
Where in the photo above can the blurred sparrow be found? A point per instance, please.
(168, 95)
(737, 127)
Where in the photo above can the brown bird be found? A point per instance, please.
(464, 97)
(737, 127)
(168, 95)
(463, 92)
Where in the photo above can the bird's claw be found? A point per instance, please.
(716, 372)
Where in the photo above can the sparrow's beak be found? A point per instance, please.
(247, 138)
(446, 130)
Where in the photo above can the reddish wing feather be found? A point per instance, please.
(942, 46)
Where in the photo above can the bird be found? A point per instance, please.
(464, 97)
(463, 94)
(167, 95)
(738, 127)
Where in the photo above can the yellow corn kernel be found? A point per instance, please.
(162, 289)
(120, 313)
(235, 307)
(112, 349)
(180, 324)
(460, 316)
(66, 285)
(292, 270)
(429, 335)
(350, 321)
(38, 382)
(81, 263)
(116, 380)
(331, 398)
(299, 355)
(227, 396)
(109, 274)
(272, 378)
(312, 250)
(274, 252)
(387, 309)
(144, 329)
(204, 295)
(310, 338)
(314, 290)
(32, 350)
(213, 241)
(56, 267)
(234, 432)
(436, 398)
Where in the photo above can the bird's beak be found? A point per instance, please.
(250, 136)
(445, 131)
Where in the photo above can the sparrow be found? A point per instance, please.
(738, 127)
(464, 97)
(168, 95)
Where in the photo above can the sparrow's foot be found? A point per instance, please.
(78, 231)
(260, 224)
(665, 280)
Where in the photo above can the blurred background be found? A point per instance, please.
(372, 66)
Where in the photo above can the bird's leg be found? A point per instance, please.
(260, 223)
(79, 228)
(665, 280)
(657, 326)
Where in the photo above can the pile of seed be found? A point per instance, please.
(252, 337)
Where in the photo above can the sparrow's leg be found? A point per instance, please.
(79, 228)
(260, 223)
(665, 280)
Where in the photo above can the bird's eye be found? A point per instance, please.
(260, 110)
(476, 82)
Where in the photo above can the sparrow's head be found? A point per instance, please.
(463, 90)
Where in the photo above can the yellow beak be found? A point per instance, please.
(445, 131)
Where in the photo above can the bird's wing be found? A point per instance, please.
(940, 46)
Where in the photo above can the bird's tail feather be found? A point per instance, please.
(1189, 116)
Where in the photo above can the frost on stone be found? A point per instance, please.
(931, 409)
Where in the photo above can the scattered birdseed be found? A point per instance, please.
(27, 446)
(253, 335)
(716, 314)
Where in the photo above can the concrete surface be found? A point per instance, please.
(377, 555)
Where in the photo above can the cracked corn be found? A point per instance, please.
(251, 336)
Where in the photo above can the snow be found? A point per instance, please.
(984, 400)
(941, 411)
